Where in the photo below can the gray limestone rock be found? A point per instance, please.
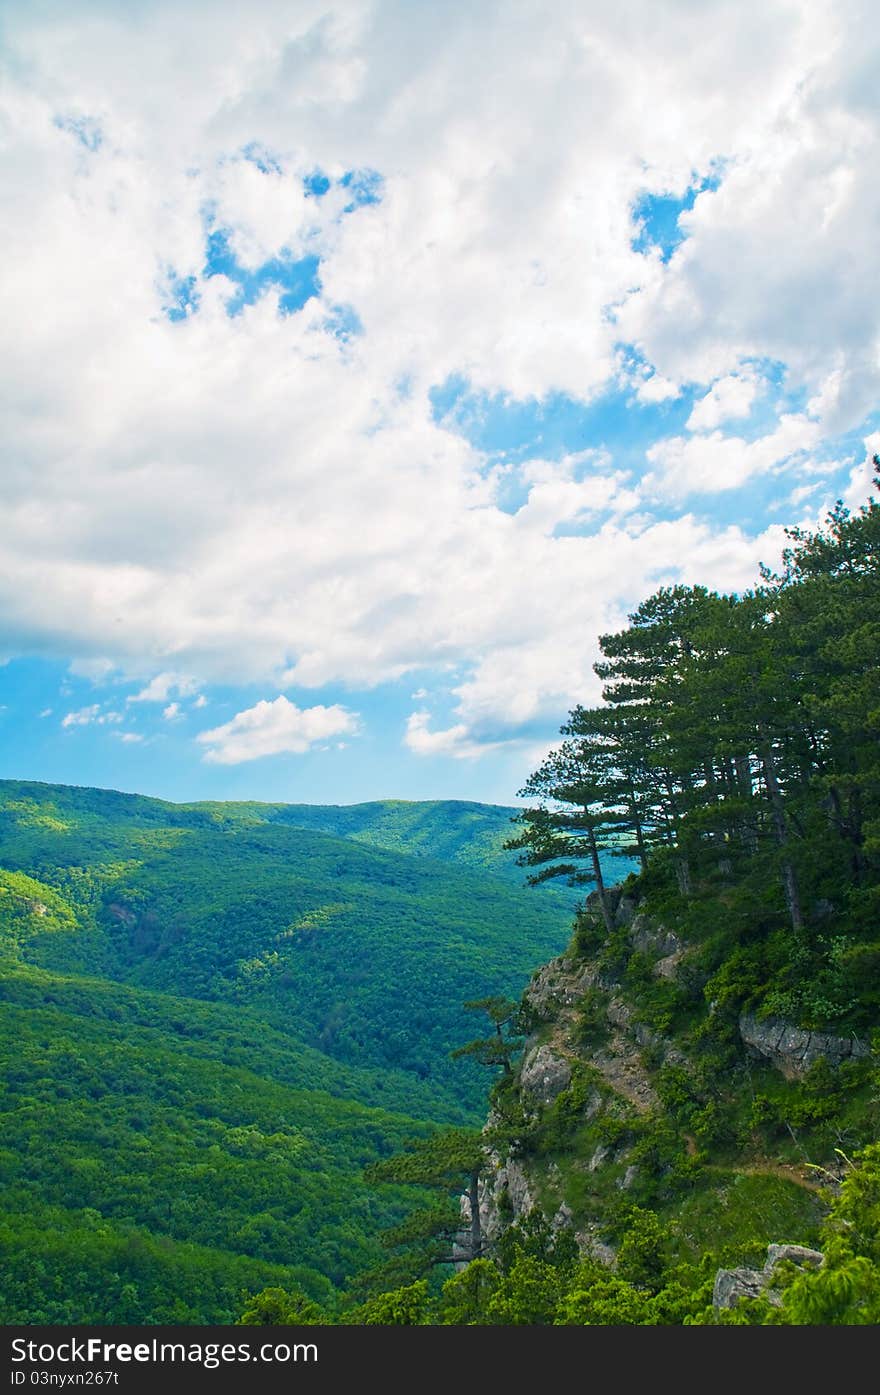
(801, 1255)
(649, 938)
(544, 1074)
(592, 1247)
(733, 1284)
(557, 986)
(563, 1218)
(625, 911)
(599, 1156)
(794, 1049)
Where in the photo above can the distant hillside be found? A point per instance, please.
(362, 952)
(213, 1016)
(451, 830)
(161, 1157)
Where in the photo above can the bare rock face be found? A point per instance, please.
(556, 987)
(733, 1284)
(505, 1197)
(649, 938)
(544, 1074)
(794, 1254)
(600, 1154)
(592, 1247)
(625, 911)
(794, 1049)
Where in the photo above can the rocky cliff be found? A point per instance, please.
(641, 1087)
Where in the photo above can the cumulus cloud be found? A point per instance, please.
(273, 728)
(90, 716)
(82, 717)
(454, 741)
(714, 462)
(777, 258)
(728, 399)
(193, 495)
(160, 688)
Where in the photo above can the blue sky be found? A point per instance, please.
(355, 385)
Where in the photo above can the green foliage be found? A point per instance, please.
(736, 757)
(151, 1131)
(643, 1256)
(592, 1021)
(278, 1307)
(466, 1297)
(506, 1039)
(366, 954)
(402, 1307)
(846, 1290)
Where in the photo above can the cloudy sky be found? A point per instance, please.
(363, 362)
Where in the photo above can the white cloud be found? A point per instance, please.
(777, 258)
(454, 741)
(713, 463)
(656, 388)
(96, 670)
(249, 498)
(82, 718)
(273, 728)
(171, 711)
(861, 481)
(728, 399)
(160, 688)
(46, 712)
(90, 716)
(128, 737)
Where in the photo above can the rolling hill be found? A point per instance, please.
(214, 1016)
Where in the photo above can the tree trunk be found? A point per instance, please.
(683, 876)
(637, 828)
(780, 828)
(600, 883)
(476, 1228)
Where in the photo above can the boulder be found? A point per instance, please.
(795, 1049)
(801, 1255)
(544, 1074)
(733, 1284)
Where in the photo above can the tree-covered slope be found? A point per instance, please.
(364, 953)
(213, 1019)
(696, 1105)
(158, 1158)
(449, 830)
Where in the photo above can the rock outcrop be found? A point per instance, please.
(732, 1285)
(794, 1049)
(603, 1088)
(544, 1074)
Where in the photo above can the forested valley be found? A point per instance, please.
(245, 1084)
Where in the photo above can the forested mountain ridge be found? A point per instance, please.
(365, 953)
(698, 1078)
(449, 830)
(693, 1080)
(213, 1019)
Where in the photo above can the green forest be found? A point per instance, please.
(214, 1017)
(700, 1142)
(258, 1054)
